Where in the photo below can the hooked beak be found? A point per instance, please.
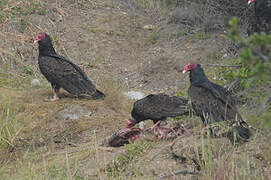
(184, 71)
(250, 2)
(36, 40)
(130, 123)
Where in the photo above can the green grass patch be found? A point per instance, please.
(10, 128)
(17, 82)
(201, 35)
(118, 166)
(155, 3)
(143, 3)
(180, 34)
(154, 37)
(17, 8)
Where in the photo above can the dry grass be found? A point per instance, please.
(36, 155)
(34, 125)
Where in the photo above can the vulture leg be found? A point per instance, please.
(155, 125)
(161, 131)
(156, 129)
(55, 92)
(164, 131)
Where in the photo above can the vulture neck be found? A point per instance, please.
(46, 49)
(197, 76)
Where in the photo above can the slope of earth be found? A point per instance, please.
(111, 42)
(108, 38)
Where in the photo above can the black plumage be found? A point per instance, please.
(262, 8)
(261, 19)
(157, 107)
(212, 103)
(62, 73)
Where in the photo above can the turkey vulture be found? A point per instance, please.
(62, 73)
(157, 107)
(262, 16)
(212, 103)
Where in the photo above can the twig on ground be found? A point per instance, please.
(11, 7)
(184, 172)
(219, 65)
(66, 53)
(84, 149)
(264, 104)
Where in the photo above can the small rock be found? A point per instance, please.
(141, 125)
(89, 114)
(225, 55)
(74, 112)
(41, 140)
(35, 82)
(134, 95)
(148, 27)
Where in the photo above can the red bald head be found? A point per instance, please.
(190, 67)
(131, 122)
(39, 37)
(251, 1)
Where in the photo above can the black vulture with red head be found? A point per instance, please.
(62, 73)
(157, 107)
(261, 20)
(212, 103)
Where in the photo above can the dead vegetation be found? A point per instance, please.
(62, 140)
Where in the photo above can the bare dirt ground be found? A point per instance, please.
(62, 140)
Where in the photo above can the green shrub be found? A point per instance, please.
(255, 62)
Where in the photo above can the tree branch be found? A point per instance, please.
(184, 172)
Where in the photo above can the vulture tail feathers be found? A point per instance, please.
(98, 95)
(239, 134)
